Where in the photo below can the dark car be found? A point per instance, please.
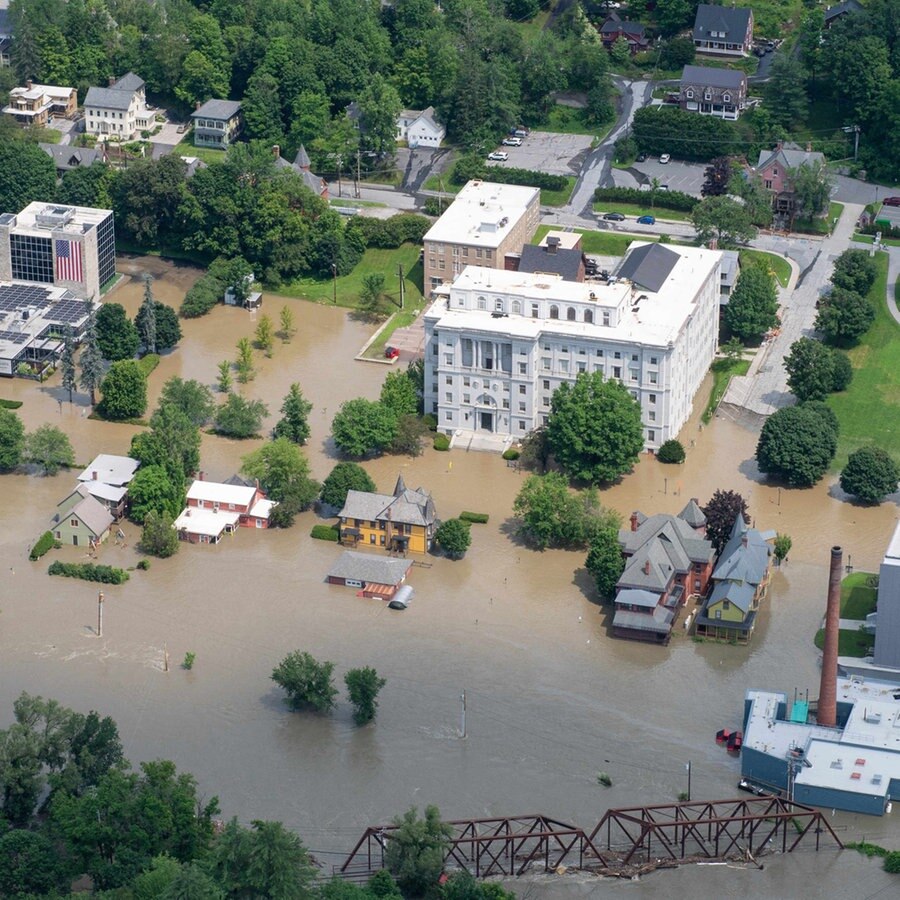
(641, 157)
(614, 217)
(891, 201)
(646, 220)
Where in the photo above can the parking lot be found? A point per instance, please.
(548, 151)
(677, 176)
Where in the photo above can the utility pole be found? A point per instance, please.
(100, 614)
(402, 287)
(688, 767)
(855, 129)
(358, 155)
(462, 729)
(334, 282)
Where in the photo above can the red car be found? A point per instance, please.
(891, 201)
(391, 353)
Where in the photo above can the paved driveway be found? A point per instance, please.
(679, 176)
(548, 151)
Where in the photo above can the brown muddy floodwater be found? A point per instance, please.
(552, 699)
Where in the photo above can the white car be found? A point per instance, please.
(498, 156)
(664, 158)
(512, 142)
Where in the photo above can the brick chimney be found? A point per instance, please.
(201, 476)
(94, 474)
(809, 146)
(28, 84)
(276, 151)
(634, 521)
(827, 714)
(112, 80)
(646, 566)
(552, 245)
(197, 104)
(713, 244)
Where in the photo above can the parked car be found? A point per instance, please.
(391, 352)
(498, 156)
(183, 128)
(891, 201)
(614, 217)
(641, 157)
(663, 187)
(665, 158)
(646, 220)
(519, 131)
(770, 46)
(512, 142)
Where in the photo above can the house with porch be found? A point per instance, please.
(402, 521)
(217, 508)
(81, 520)
(615, 28)
(667, 559)
(118, 111)
(378, 577)
(740, 582)
(107, 478)
(723, 30)
(713, 92)
(217, 123)
(776, 169)
(35, 104)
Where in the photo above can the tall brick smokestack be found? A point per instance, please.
(827, 714)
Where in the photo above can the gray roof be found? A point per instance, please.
(738, 593)
(637, 597)
(693, 514)
(745, 558)
(218, 109)
(66, 157)
(649, 266)
(790, 156)
(730, 266)
(731, 20)
(709, 75)
(5, 24)
(683, 544)
(566, 263)
(370, 569)
(129, 82)
(302, 160)
(843, 9)
(94, 514)
(614, 24)
(651, 567)
(659, 621)
(405, 507)
(117, 96)
(237, 481)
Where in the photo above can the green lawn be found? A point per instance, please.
(350, 286)
(858, 595)
(777, 265)
(559, 198)
(869, 410)
(722, 370)
(532, 28)
(850, 643)
(400, 319)
(568, 120)
(441, 183)
(355, 204)
(600, 242)
(823, 225)
(642, 209)
(868, 239)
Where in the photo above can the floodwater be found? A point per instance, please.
(551, 698)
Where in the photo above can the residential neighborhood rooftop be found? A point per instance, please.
(367, 567)
(217, 109)
(110, 469)
(713, 76)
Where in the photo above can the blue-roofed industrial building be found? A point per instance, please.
(854, 766)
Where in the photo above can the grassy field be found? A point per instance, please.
(559, 198)
(349, 286)
(400, 319)
(601, 243)
(868, 239)
(777, 265)
(869, 410)
(568, 120)
(209, 155)
(722, 370)
(850, 643)
(643, 209)
(858, 595)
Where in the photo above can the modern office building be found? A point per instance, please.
(486, 225)
(499, 343)
(69, 246)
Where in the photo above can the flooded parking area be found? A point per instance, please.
(552, 698)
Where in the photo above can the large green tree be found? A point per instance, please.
(812, 185)
(145, 321)
(192, 397)
(454, 537)
(723, 219)
(605, 561)
(117, 336)
(69, 377)
(308, 683)
(344, 477)
(363, 687)
(594, 429)
(26, 174)
(796, 445)
(30, 865)
(283, 472)
(49, 448)
(844, 317)
(415, 852)
(753, 305)
(240, 418)
(810, 369)
(123, 391)
(154, 490)
(870, 474)
(294, 421)
(12, 439)
(785, 91)
(173, 442)
(399, 394)
(854, 270)
(91, 359)
(362, 427)
(159, 537)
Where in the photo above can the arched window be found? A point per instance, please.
(554, 312)
(570, 314)
(516, 308)
(482, 303)
(589, 316)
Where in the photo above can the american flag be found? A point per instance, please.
(68, 261)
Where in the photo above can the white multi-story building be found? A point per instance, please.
(118, 111)
(499, 343)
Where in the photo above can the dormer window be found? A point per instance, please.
(707, 95)
(726, 97)
(689, 93)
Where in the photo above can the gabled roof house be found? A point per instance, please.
(302, 166)
(723, 30)
(215, 508)
(615, 28)
(775, 168)
(420, 128)
(713, 92)
(81, 520)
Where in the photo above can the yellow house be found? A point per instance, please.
(402, 521)
(740, 583)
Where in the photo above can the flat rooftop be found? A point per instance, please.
(483, 214)
(41, 218)
(844, 768)
(645, 317)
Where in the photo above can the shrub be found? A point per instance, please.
(453, 537)
(441, 442)
(474, 518)
(202, 297)
(148, 363)
(10, 404)
(430, 421)
(44, 543)
(88, 572)
(325, 533)
(188, 662)
(511, 454)
(604, 779)
(663, 199)
(892, 862)
(671, 451)
(144, 564)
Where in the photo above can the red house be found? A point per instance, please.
(216, 508)
(776, 170)
(667, 560)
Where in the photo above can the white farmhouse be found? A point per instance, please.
(118, 111)
(499, 343)
(419, 128)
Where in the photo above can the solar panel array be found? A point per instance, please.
(14, 337)
(67, 311)
(18, 296)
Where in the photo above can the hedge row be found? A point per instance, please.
(325, 533)
(202, 297)
(663, 199)
(10, 404)
(44, 543)
(88, 572)
(390, 233)
(148, 363)
(474, 517)
(470, 167)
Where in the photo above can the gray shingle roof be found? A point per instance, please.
(745, 558)
(217, 109)
(659, 621)
(614, 24)
(636, 597)
(841, 9)
(66, 157)
(94, 515)
(676, 531)
(709, 75)
(649, 266)
(370, 569)
(129, 82)
(790, 156)
(738, 593)
(649, 568)
(107, 98)
(407, 507)
(566, 263)
(301, 160)
(733, 21)
(692, 514)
